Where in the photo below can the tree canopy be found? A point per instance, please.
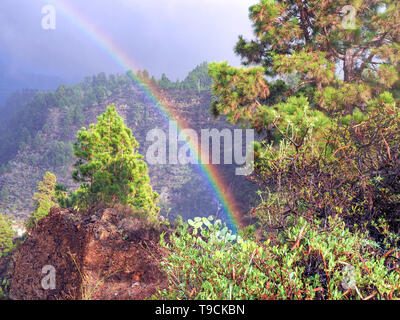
(109, 168)
(322, 91)
(337, 67)
(197, 80)
(6, 236)
(44, 199)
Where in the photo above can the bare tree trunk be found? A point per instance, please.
(349, 65)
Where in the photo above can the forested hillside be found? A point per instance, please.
(42, 128)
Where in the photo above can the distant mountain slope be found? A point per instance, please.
(46, 130)
(10, 83)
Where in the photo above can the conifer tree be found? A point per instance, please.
(146, 75)
(110, 169)
(44, 199)
(320, 84)
(6, 236)
(343, 53)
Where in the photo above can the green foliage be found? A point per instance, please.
(4, 194)
(236, 91)
(15, 103)
(4, 289)
(38, 142)
(165, 83)
(345, 169)
(306, 261)
(27, 111)
(6, 236)
(110, 169)
(197, 80)
(65, 198)
(5, 168)
(323, 97)
(336, 68)
(74, 116)
(59, 154)
(44, 199)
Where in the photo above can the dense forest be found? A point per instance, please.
(323, 95)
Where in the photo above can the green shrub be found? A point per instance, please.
(305, 261)
(4, 289)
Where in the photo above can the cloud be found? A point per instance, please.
(170, 36)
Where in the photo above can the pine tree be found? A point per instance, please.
(198, 79)
(146, 75)
(6, 236)
(164, 82)
(110, 169)
(44, 199)
(340, 64)
(321, 88)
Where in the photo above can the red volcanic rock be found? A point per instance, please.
(90, 258)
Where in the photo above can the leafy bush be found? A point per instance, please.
(350, 168)
(306, 261)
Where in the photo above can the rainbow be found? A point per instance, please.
(106, 44)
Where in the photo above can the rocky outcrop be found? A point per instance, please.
(92, 258)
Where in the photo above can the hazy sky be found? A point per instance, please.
(170, 36)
